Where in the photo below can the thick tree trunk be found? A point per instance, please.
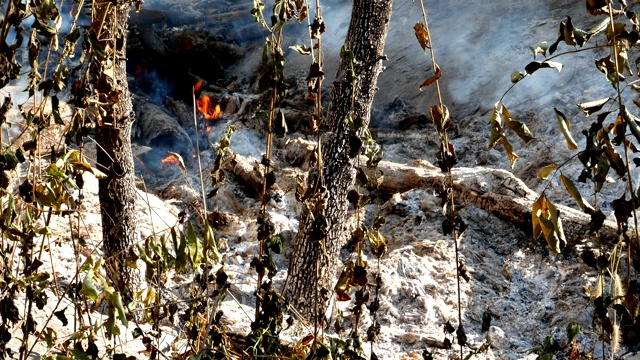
(113, 134)
(365, 38)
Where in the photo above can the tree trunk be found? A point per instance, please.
(365, 38)
(117, 192)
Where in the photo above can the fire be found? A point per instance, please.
(204, 103)
(204, 106)
(197, 87)
(174, 159)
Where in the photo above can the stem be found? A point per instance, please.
(449, 178)
(5, 29)
(267, 166)
(195, 124)
(571, 158)
(574, 51)
(158, 302)
(626, 148)
(433, 58)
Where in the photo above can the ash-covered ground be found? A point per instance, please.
(529, 292)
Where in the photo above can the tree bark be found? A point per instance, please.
(116, 192)
(305, 287)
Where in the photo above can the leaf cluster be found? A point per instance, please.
(552, 347)
(615, 127)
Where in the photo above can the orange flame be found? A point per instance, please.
(204, 106)
(198, 86)
(172, 160)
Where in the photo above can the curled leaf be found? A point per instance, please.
(343, 286)
(567, 32)
(516, 126)
(434, 78)
(280, 125)
(194, 246)
(536, 210)
(615, 30)
(486, 321)
(512, 155)
(554, 216)
(61, 316)
(516, 76)
(565, 126)
(440, 117)
(462, 337)
(632, 122)
(496, 126)
(591, 107)
(546, 171)
(539, 48)
(608, 67)
(301, 49)
(546, 221)
(535, 66)
(615, 160)
(422, 35)
(115, 300)
(573, 191)
(210, 243)
(88, 289)
(601, 26)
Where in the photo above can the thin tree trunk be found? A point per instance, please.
(365, 38)
(117, 192)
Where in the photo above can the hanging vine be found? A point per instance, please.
(270, 305)
(452, 224)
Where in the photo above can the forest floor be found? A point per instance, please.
(529, 292)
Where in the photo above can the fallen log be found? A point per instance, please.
(494, 190)
(248, 173)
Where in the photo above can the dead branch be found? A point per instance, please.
(494, 190)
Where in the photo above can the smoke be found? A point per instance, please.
(155, 87)
(477, 44)
(244, 141)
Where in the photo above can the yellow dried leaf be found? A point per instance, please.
(422, 35)
(496, 126)
(573, 191)
(544, 172)
(433, 79)
(512, 155)
(565, 126)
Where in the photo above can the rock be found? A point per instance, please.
(497, 338)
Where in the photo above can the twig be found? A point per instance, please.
(449, 178)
